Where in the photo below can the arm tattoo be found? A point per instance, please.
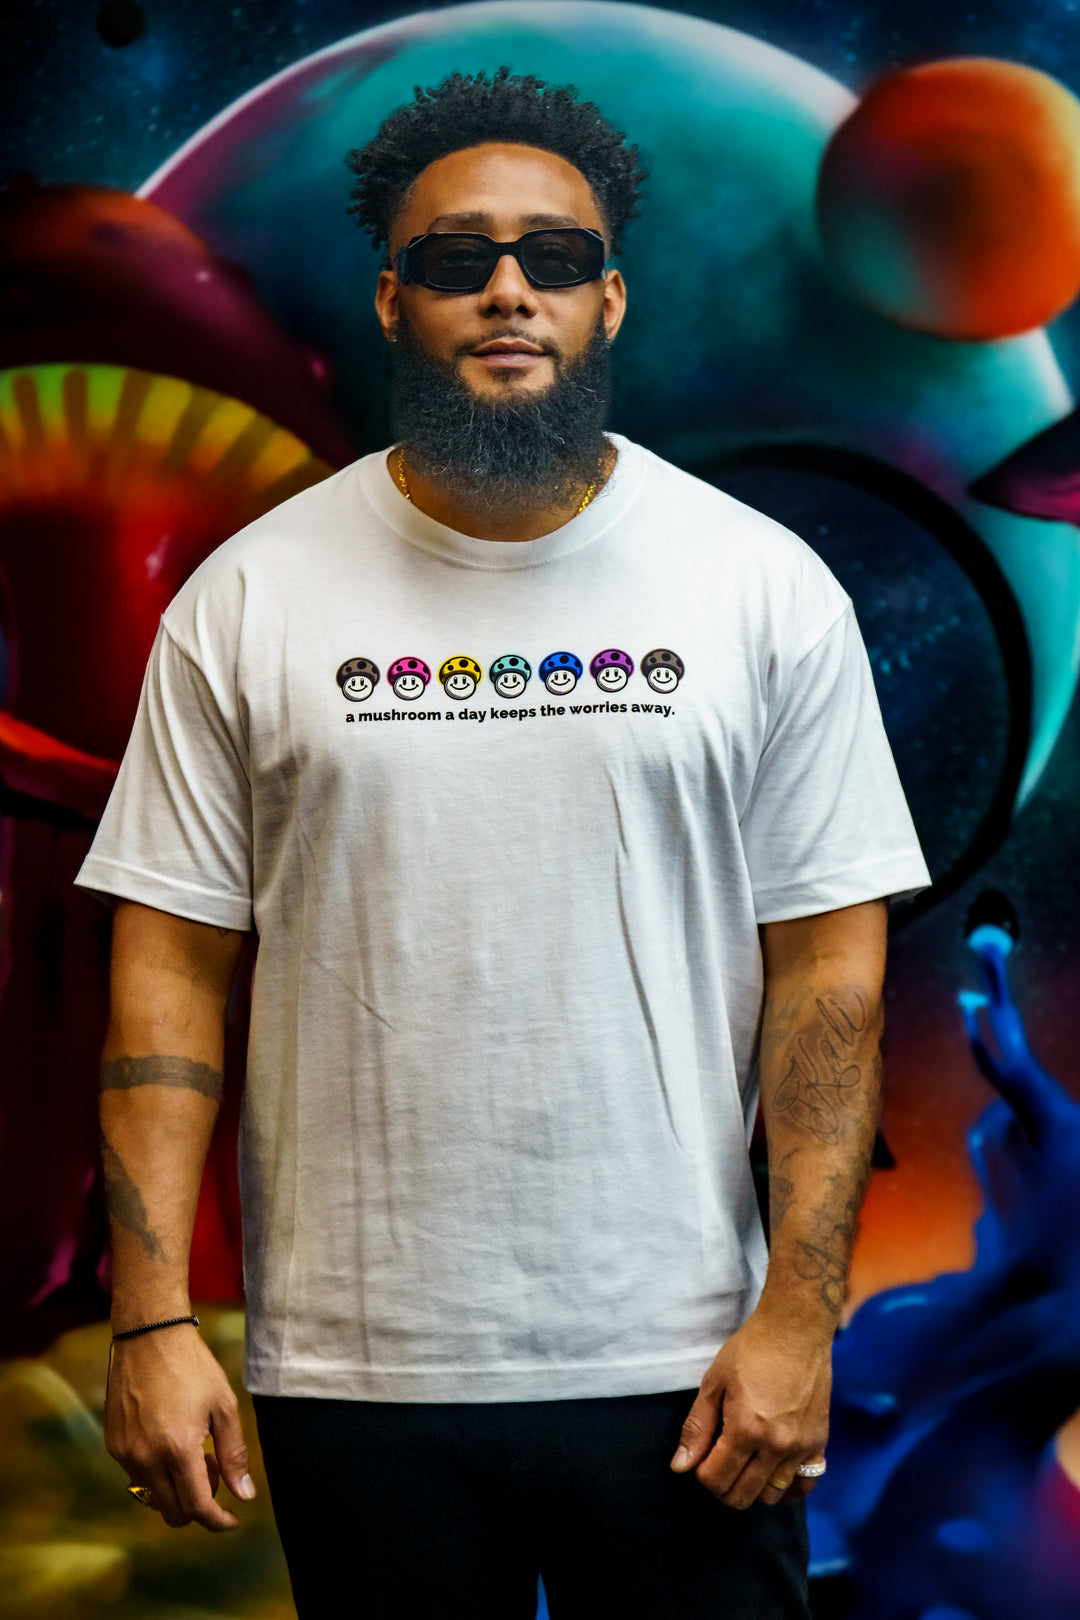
(813, 1263)
(828, 1070)
(781, 1198)
(811, 1090)
(121, 1073)
(824, 1253)
(124, 1201)
(781, 1191)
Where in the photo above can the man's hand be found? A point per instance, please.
(762, 1411)
(167, 1393)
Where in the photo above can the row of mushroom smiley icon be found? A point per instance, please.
(510, 674)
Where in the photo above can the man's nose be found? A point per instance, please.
(509, 289)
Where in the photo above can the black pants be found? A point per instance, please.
(408, 1511)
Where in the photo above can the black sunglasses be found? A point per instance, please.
(464, 261)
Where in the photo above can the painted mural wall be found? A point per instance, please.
(852, 304)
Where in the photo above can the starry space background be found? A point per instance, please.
(76, 108)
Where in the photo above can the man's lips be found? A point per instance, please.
(508, 346)
(507, 352)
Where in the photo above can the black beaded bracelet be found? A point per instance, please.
(133, 1333)
(151, 1327)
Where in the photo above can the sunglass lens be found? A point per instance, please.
(559, 258)
(457, 263)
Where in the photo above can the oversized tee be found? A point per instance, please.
(506, 818)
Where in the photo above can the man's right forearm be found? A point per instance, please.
(161, 1079)
(157, 1115)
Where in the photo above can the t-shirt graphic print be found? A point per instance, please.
(509, 675)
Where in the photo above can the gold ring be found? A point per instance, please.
(780, 1484)
(141, 1493)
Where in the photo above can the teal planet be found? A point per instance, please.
(740, 344)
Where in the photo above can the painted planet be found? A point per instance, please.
(738, 341)
(949, 200)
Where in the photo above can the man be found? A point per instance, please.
(526, 934)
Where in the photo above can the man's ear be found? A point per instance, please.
(614, 307)
(388, 303)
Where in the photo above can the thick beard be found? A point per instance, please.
(502, 457)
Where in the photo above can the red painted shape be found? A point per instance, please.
(96, 537)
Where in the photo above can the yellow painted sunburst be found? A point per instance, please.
(66, 428)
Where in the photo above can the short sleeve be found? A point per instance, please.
(177, 830)
(826, 823)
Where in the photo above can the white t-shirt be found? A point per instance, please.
(509, 980)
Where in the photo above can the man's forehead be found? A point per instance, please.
(509, 185)
(480, 219)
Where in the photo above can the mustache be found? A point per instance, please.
(513, 334)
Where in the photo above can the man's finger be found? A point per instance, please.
(769, 1477)
(698, 1432)
(738, 1447)
(231, 1450)
(191, 1479)
(804, 1485)
(740, 1487)
(779, 1485)
(163, 1496)
(724, 1465)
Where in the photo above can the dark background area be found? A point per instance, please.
(74, 107)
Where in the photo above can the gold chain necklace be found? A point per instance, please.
(404, 482)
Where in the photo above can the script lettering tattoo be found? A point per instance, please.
(821, 1070)
(813, 1263)
(119, 1074)
(124, 1201)
(825, 1255)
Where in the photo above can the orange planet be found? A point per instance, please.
(949, 200)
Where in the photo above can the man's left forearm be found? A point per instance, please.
(821, 1091)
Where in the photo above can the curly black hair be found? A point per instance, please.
(464, 111)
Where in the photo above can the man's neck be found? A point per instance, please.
(449, 508)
